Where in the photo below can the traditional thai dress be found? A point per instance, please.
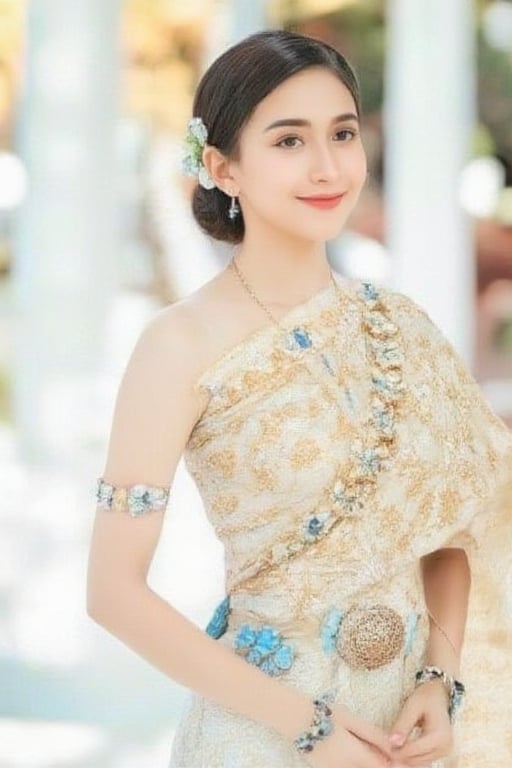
(333, 451)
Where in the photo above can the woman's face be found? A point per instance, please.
(302, 141)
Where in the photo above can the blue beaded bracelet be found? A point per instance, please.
(319, 728)
(455, 688)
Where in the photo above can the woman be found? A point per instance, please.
(344, 455)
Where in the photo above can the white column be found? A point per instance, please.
(229, 22)
(430, 108)
(247, 17)
(67, 229)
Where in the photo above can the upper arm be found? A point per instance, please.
(155, 410)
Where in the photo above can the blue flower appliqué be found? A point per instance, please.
(316, 525)
(410, 630)
(330, 630)
(264, 648)
(298, 338)
(219, 622)
(370, 461)
(370, 292)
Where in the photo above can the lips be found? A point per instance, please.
(323, 201)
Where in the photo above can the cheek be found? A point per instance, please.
(269, 184)
(357, 164)
(272, 171)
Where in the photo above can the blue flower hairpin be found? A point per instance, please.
(192, 163)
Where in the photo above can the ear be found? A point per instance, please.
(219, 169)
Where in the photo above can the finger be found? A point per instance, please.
(417, 747)
(426, 759)
(408, 718)
(368, 757)
(371, 736)
(413, 765)
(427, 744)
(400, 765)
(365, 756)
(408, 765)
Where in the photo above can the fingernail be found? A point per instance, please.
(397, 739)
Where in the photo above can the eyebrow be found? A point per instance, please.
(300, 122)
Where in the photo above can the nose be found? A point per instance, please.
(324, 165)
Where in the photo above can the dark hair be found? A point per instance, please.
(231, 89)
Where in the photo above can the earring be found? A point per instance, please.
(234, 209)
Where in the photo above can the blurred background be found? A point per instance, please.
(96, 235)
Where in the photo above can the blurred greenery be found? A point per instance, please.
(361, 32)
(495, 94)
(503, 337)
(483, 142)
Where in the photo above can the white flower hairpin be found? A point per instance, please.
(192, 162)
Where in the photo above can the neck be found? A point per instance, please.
(281, 271)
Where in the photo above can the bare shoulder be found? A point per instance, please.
(210, 320)
(181, 338)
(173, 334)
(204, 322)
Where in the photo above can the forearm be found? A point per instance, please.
(177, 647)
(447, 581)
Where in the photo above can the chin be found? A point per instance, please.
(321, 232)
(316, 227)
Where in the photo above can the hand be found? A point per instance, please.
(427, 708)
(353, 743)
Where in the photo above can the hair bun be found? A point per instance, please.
(210, 208)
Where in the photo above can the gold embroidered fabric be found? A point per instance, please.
(323, 518)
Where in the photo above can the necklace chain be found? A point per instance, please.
(251, 292)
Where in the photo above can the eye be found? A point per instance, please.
(347, 134)
(285, 142)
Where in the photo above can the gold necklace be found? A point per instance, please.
(251, 292)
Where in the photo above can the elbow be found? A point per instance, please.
(110, 600)
(99, 600)
(95, 607)
(104, 611)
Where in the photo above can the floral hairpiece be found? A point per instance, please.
(192, 162)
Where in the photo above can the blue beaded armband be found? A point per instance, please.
(137, 500)
(319, 728)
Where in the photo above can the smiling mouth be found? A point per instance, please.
(323, 201)
(321, 197)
